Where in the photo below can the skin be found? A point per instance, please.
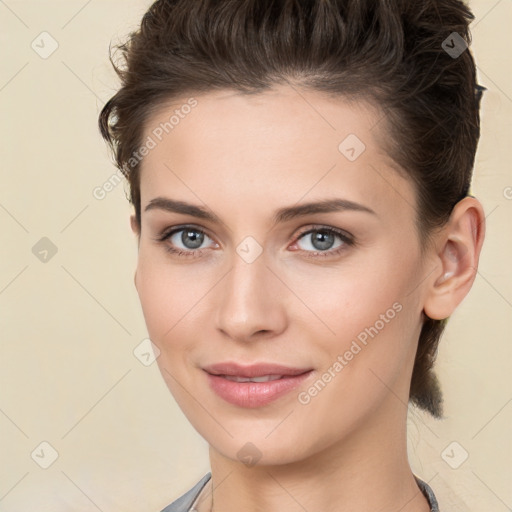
(243, 158)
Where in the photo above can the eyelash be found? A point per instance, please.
(347, 240)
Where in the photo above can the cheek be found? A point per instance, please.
(348, 298)
(166, 294)
(368, 320)
(156, 302)
(175, 301)
(366, 364)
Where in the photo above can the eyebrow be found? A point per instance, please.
(281, 215)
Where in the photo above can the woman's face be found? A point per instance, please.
(253, 285)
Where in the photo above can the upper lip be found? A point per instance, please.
(253, 370)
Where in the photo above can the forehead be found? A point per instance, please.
(292, 114)
(279, 145)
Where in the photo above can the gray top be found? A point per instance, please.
(185, 502)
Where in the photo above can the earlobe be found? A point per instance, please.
(459, 245)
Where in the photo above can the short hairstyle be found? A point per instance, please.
(408, 58)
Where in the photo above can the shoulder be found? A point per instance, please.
(183, 503)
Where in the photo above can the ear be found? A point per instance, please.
(458, 247)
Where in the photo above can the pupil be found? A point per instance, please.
(197, 239)
(320, 238)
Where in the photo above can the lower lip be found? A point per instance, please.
(254, 394)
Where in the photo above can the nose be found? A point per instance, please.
(250, 301)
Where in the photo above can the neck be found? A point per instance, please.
(367, 470)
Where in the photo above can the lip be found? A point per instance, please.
(254, 394)
(253, 370)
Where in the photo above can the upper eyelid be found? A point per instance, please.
(166, 233)
(324, 227)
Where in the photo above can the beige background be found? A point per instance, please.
(69, 326)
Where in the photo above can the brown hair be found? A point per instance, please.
(394, 53)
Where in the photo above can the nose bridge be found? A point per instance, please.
(249, 300)
(247, 285)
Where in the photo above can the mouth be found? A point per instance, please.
(272, 370)
(256, 385)
(263, 378)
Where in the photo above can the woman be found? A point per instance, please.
(300, 173)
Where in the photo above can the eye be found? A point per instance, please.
(185, 240)
(320, 241)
